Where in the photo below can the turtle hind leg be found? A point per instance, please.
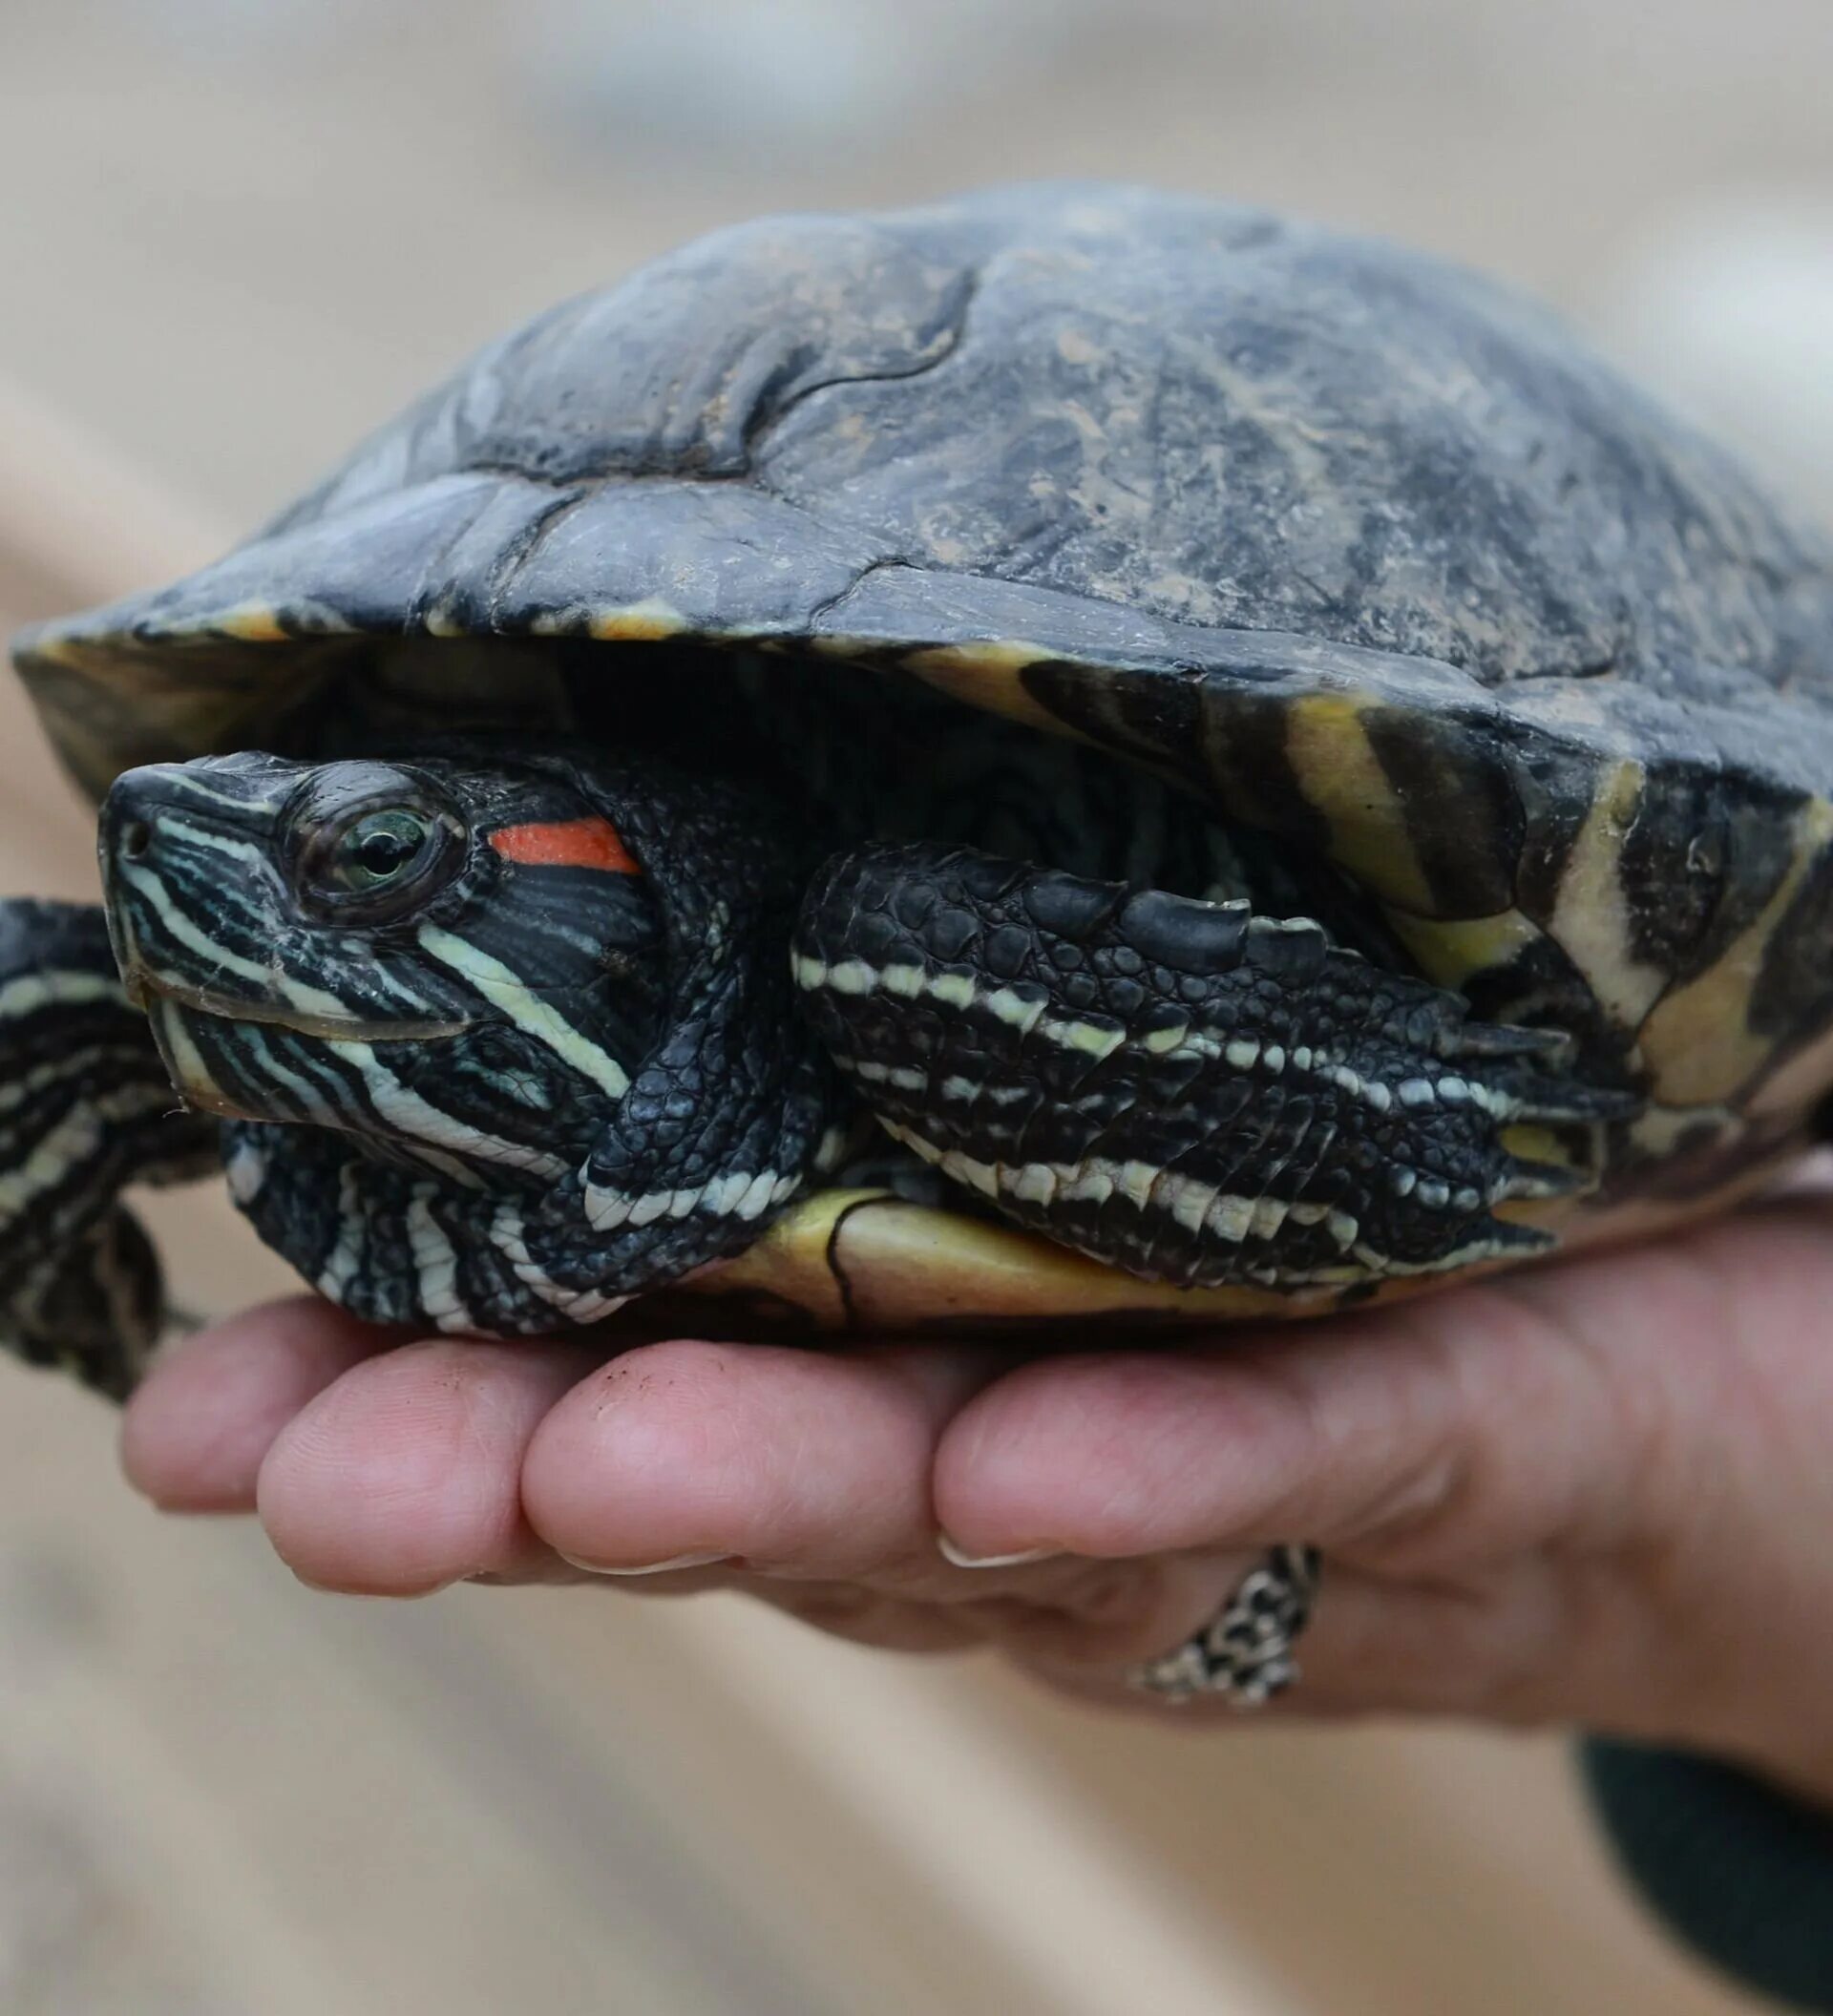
(86, 1108)
(1183, 1089)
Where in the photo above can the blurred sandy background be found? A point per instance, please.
(234, 234)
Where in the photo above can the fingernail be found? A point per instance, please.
(648, 1568)
(962, 1559)
(330, 1588)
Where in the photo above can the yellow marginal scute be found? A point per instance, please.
(55, 648)
(1338, 770)
(987, 676)
(649, 622)
(1451, 950)
(1591, 920)
(251, 623)
(1697, 1043)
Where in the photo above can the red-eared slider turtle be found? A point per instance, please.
(1073, 753)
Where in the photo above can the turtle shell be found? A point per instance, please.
(1366, 551)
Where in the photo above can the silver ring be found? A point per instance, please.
(1243, 1656)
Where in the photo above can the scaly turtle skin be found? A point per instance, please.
(1264, 770)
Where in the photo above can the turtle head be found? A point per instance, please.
(572, 1065)
(329, 943)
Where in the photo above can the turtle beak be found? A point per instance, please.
(230, 804)
(167, 840)
(188, 879)
(128, 846)
(199, 912)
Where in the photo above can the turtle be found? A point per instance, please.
(1070, 758)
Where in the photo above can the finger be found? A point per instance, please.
(1346, 1430)
(193, 1433)
(1490, 1647)
(1487, 1648)
(1494, 1648)
(404, 1475)
(808, 1463)
(1094, 1614)
(1090, 1614)
(1450, 1431)
(1103, 1615)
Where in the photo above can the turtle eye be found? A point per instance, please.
(373, 863)
(379, 848)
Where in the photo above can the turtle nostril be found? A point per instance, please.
(136, 836)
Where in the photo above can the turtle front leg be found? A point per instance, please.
(730, 1115)
(86, 1108)
(1179, 1088)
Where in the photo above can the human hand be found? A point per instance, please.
(1596, 1491)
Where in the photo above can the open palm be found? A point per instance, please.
(1589, 1492)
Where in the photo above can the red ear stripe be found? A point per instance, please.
(569, 843)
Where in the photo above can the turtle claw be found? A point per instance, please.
(1561, 1101)
(1537, 1181)
(1510, 1039)
(1537, 1089)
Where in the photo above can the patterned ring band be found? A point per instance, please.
(1243, 1656)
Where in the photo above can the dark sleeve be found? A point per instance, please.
(1742, 1873)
